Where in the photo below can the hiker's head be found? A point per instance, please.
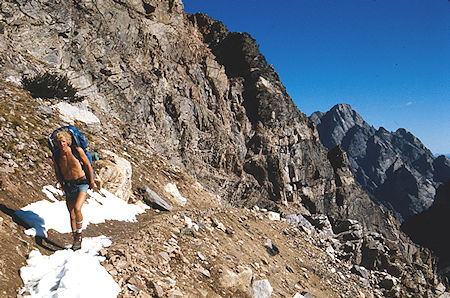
(63, 138)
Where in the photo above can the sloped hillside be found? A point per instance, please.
(203, 248)
(185, 101)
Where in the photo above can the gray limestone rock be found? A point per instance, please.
(395, 168)
(261, 289)
(361, 271)
(154, 200)
(298, 219)
(322, 225)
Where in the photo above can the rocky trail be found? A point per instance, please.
(189, 118)
(202, 247)
(205, 247)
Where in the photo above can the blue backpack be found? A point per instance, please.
(78, 139)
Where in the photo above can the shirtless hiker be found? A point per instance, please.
(74, 180)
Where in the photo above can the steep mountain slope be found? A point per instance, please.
(147, 67)
(395, 168)
(428, 228)
(167, 86)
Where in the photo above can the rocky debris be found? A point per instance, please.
(298, 219)
(152, 199)
(322, 226)
(395, 168)
(350, 234)
(377, 263)
(361, 271)
(204, 263)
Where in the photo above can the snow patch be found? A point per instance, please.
(70, 113)
(69, 273)
(172, 189)
(43, 215)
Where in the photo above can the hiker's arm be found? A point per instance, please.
(58, 174)
(88, 167)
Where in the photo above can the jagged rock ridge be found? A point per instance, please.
(395, 168)
(203, 97)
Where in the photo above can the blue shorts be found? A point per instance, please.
(73, 188)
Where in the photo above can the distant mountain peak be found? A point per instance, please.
(395, 168)
(339, 120)
(342, 107)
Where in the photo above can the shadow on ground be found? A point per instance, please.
(18, 217)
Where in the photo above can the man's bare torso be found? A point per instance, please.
(70, 166)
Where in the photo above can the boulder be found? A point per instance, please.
(261, 289)
(228, 279)
(361, 271)
(155, 201)
(114, 174)
(298, 219)
(322, 225)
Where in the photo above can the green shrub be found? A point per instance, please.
(49, 85)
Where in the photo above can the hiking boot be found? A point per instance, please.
(76, 241)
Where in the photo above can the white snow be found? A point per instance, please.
(44, 215)
(172, 189)
(49, 190)
(70, 113)
(68, 273)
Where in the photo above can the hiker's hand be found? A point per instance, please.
(92, 185)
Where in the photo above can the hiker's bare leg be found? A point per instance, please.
(74, 207)
(78, 204)
(71, 207)
(81, 197)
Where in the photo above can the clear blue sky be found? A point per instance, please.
(388, 59)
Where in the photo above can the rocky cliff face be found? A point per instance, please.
(395, 168)
(220, 111)
(185, 88)
(428, 228)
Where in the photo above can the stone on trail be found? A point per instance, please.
(155, 201)
(273, 215)
(261, 289)
(204, 271)
(201, 256)
(236, 281)
(361, 271)
(271, 248)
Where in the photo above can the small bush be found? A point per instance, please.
(49, 85)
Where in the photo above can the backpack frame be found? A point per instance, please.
(78, 139)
